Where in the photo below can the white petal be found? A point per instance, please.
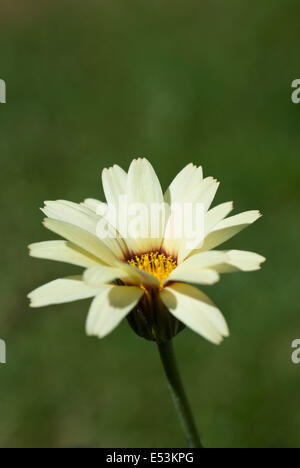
(143, 188)
(110, 306)
(196, 191)
(239, 260)
(228, 228)
(72, 213)
(193, 189)
(101, 274)
(208, 192)
(222, 261)
(108, 234)
(216, 214)
(139, 277)
(114, 184)
(114, 180)
(195, 310)
(81, 216)
(95, 205)
(102, 210)
(203, 276)
(62, 251)
(97, 275)
(184, 183)
(200, 260)
(61, 290)
(82, 238)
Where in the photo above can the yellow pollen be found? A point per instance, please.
(155, 263)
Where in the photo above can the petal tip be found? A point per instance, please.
(32, 302)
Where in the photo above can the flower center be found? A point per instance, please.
(155, 263)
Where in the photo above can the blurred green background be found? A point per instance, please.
(94, 83)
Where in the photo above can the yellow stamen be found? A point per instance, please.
(155, 263)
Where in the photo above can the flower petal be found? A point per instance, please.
(208, 191)
(109, 307)
(114, 180)
(194, 191)
(62, 251)
(195, 310)
(216, 214)
(228, 228)
(144, 191)
(94, 205)
(82, 238)
(100, 274)
(239, 260)
(72, 213)
(114, 184)
(221, 261)
(203, 276)
(183, 184)
(82, 217)
(200, 260)
(139, 277)
(61, 290)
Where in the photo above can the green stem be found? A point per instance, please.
(180, 400)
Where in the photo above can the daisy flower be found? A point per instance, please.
(145, 278)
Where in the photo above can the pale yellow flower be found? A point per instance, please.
(143, 278)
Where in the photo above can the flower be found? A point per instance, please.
(144, 277)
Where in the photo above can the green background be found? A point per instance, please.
(94, 83)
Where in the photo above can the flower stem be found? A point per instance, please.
(180, 400)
